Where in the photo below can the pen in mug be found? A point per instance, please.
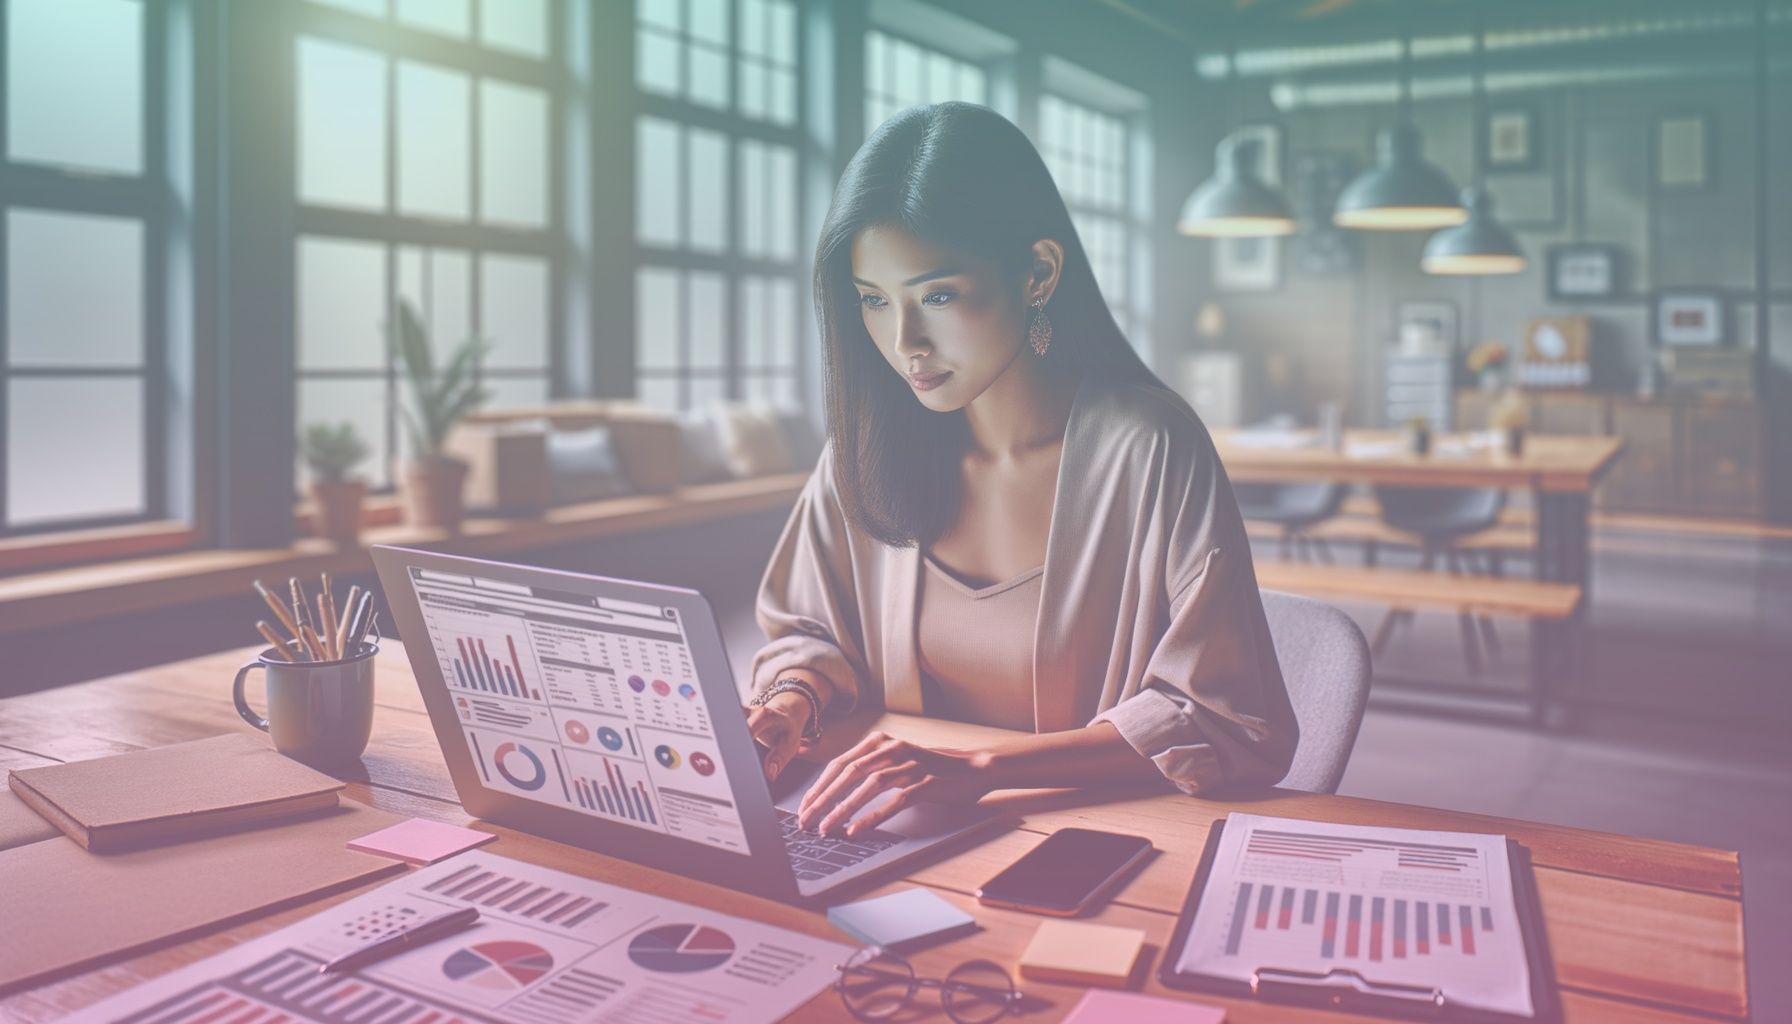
(403, 939)
(300, 611)
(279, 609)
(347, 626)
(268, 634)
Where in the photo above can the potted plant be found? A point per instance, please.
(1488, 362)
(1418, 435)
(331, 451)
(1509, 416)
(433, 481)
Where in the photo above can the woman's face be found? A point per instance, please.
(947, 324)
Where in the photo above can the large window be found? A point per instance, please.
(901, 74)
(1088, 152)
(716, 213)
(427, 172)
(80, 183)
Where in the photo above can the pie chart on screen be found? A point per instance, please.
(681, 948)
(498, 965)
(576, 732)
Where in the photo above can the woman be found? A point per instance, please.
(1015, 522)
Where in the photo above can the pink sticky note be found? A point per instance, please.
(420, 841)
(1100, 1005)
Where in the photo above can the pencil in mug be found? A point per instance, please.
(318, 651)
(280, 612)
(349, 608)
(326, 627)
(268, 634)
(301, 612)
(329, 595)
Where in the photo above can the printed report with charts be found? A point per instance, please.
(1395, 906)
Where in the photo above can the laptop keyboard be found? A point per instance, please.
(815, 856)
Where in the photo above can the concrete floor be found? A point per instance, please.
(1679, 732)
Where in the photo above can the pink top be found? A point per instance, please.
(975, 646)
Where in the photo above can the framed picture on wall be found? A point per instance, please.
(1581, 272)
(1514, 140)
(1682, 151)
(1424, 326)
(1247, 264)
(1268, 138)
(1690, 316)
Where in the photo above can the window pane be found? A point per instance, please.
(783, 98)
(752, 321)
(342, 125)
(74, 449)
(781, 210)
(341, 304)
(772, 389)
(75, 290)
(449, 17)
(517, 393)
(905, 66)
(74, 83)
(782, 32)
(361, 403)
(877, 49)
(709, 76)
(709, 190)
(781, 329)
(657, 315)
(752, 198)
(753, 99)
(657, 178)
(439, 285)
(433, 109)
(657, 392)
(374, 8)
(519, 25)
(513, 176)
(752, 28)
(657, 58)
(664, 13)
(707, 312)
(709, 21)
(706, 392)
(513, 301)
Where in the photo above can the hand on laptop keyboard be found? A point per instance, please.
(815, 856)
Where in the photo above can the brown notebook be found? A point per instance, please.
(173, 792)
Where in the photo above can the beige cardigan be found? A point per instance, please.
(1149, 615)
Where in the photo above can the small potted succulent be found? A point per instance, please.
(434, 482)
(1509, 416)
(1418, 435)
(331, 451)
(1488, 362)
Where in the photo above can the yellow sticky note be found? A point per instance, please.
(1086, 954)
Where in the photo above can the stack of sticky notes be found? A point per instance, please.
(905, 918)
(420, 841)
(1081, 953)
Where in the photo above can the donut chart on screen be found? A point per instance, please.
(681, 948)
(610, 738)
(502, 759)
(637, 684)
(666, 756)
(577, 732)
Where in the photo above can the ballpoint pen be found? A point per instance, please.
(403, 939)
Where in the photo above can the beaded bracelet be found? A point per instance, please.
(791, 684)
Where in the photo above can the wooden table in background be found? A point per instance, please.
(1559, 471)
(1643, 931)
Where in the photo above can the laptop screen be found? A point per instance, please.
(581, 702)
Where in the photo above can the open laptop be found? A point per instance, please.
(604, 713)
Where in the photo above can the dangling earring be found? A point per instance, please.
(1039, 328)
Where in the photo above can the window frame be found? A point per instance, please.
(144, 197)
(396, 42)
(734, 267)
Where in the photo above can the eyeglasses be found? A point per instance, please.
(877, 985)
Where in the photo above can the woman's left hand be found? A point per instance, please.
(881, 762)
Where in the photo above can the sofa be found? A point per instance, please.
(523, 461)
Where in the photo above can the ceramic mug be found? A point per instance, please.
(317, 710)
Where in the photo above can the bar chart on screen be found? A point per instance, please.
(497, 669)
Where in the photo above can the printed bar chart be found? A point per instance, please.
(476, 669)
(1354, 926)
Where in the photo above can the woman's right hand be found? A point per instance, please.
(778, 727)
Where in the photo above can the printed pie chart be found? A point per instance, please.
(681, 948)
(499, 965)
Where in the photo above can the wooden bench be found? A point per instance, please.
(1552, 610)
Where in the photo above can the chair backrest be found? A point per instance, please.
(1325, 665)
(1446, 510)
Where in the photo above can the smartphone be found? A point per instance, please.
(1070, 872)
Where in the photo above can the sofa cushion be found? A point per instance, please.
(705, 461)
(752, 440)
(801, 438)
(583, 466)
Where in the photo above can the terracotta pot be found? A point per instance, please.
(433, 492)
(336, 508)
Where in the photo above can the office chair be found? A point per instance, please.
(1441, 517)
(1326, 667)
(1296, 508)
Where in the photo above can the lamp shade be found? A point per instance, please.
(1234, 202)
(1479, 245)
(1401, 192)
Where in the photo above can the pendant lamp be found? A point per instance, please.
(1235, 202)
(1402, 192)
(1480, 245)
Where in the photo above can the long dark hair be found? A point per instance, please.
(959, 177)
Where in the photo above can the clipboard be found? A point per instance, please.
(1347, 989)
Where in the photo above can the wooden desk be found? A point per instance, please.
(1560, 472)
(1643, 932)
